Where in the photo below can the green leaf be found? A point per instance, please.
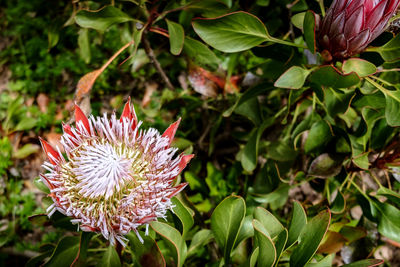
(41, 186)
(36, 261)
(200, 54)
(102, 19)
(267, 252)
(270, 223)
(233, 32)
(330, 76)
(360, 66)
(293, 78)
(298, 20)
(280, 243)
(176, 37)
(173, 239)
(297, 223)
(84, 45)
(325, 262)
(110, 258)
(53, 35)
(310, 238)
(184, 214)
(392, 108)
(26, 150)
(80, 259)
(277, 198)
(390, 194)
(246, 230)
(65, 253)
(250, 93)
(339, 204)
(226, 222)
(251, 110)
(388, 218)
(352, 233)
(253, 258)
(26, 123)
(309, 26)
(201, 238)
(250, 151)
(145, 253)
(337, 101)
(325, 166)
(390, 51)
(365, 263)
(319, 135)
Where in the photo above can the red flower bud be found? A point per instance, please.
(350, 25)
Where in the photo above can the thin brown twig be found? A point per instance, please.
(150, 53)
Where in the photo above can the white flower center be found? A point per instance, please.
(103, 169)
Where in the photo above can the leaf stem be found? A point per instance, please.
(382, 89)
(279, 41)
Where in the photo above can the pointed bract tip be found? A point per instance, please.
(184, 161)
(80, 116)
(48, 149)
(171, 131)
(128, 112)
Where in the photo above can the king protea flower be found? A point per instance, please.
(350, 25)
(114, 177)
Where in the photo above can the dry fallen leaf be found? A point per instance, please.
(43, 102)
(151, 87)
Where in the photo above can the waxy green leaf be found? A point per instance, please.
(110, 258)
(233, 32)
(267, 251)
(173, 239)
(310, 238)
(293, 78)
(102, 19)
(176, 37)
(226, 222)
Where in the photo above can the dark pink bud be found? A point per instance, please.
(350, 25)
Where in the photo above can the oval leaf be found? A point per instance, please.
(200, 54)
(360, 66)
(184, 214)
(233, 32)
(270, 223)
(110, 258)
(176, 37)
(226, 222)
(65, 252)
(297, 224)
(309, 26)
(173, 239)
(330, 76)
(293, 78)
(267, 252)
(102, 19)
(310, 238)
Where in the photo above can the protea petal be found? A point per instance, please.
(80, 117)
(114, 178)
(184, 161)
(129, 113)
(51, 154)
(375, 16)
(171, 130)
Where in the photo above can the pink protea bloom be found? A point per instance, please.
(350, 25)
(115, 177)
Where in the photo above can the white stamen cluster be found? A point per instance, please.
(115, 178)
